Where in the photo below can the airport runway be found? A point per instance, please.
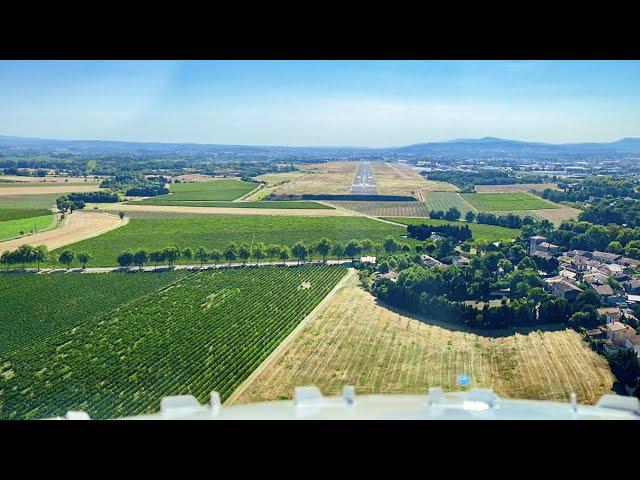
(365, 182)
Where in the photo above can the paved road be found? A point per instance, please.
(365, 182)
(195, 266)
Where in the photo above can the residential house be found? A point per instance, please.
(612, 314)
(548, 247)
(564, 288)
(631, 286)
(607, 294)
(429, 261)
(371, 260)
(595, 278)
(535, 241)
(460, 260)
(605, 257)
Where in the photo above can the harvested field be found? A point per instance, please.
(385, 209)
(63, 179)
(400, 179)
(355, 341)
(331, 178)
(520, 187)
(24, 189)
(75, 227)
(558, 215)
(291, 212)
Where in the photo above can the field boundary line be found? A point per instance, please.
(276, 352)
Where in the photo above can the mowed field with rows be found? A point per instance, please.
(213, 190)
(33, 307)
(488, 202)
(205, 332)
(355, 341)
(479, 231)
(385, 209)
(443, 201)
(216, 231)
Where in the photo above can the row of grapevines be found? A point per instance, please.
(206, 332)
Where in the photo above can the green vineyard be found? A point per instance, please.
(443, 201)
(63, 301)
(205, 332)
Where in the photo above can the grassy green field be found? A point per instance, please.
(18, 213)
(167, 200)
(33, 307)
(217, 190)
(46, 200)
(487, 202)
(12, 228)
(216, 231)
(206, 332)
(484, 233)
(444, 200)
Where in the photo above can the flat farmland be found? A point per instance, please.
(216, 231)
(47, 201)
(331, 178)
(272, 180)
(399, 179)
(11, 189)
(242, 204)
(12, 228)
(443, 201)
(204, 332)
(35, 307)
(481, 232)
(560, 214)
(213, 190)
(75, 227)
(355, 341)
(183, 209)
(51, 179)
(385, 209)
(519, 187)
(488, 202)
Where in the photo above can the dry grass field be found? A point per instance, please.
(75, 227)
(558, 215)
(331, 178)
(521, 187)
(285, 212)
(400, 179)
(355, 341)
(50, 179)
(273, 181)
(44, 188)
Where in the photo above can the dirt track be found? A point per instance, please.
(291, 212)
(75, 227)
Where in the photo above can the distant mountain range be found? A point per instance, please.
(465, 146)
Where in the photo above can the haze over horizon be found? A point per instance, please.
(320, 103)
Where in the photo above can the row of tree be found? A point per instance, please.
(27, 255)
(301, 251)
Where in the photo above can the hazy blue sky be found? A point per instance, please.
(320, 102)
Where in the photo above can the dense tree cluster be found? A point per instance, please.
(510, 220)
(467, 180)
(422, 231)
(596, 187)
(612, 238)
(25, 255)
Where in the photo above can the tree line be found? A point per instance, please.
(301, 251)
